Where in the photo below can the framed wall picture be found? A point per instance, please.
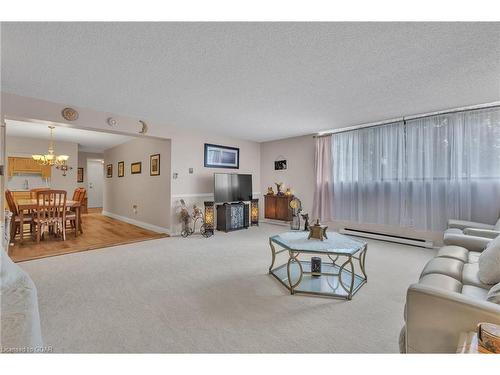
(154, 165)
(217, 156)
(79, 175)
(121, 168)
(280, 165)
(136, 168)
(109, 170)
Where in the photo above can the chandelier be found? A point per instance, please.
(51, 158)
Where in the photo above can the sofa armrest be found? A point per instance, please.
(471, 243)
(462, 224)
(486, 233)
(436, 317)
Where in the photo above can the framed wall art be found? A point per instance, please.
(121, 168)
(79, 175)
(217, 156)
(109, 170)
(154, 165)
(136, 168)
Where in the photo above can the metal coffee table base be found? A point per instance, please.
(338, 279)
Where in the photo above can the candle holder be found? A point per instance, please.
(208, 219)
(254, 212)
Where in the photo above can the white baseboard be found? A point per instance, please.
(138, 223)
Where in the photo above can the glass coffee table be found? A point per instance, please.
(340, 254)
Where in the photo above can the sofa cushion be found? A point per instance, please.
(473, 256)
(441, 282)
(494, 294)
(475, 292)
(470, 276)
(489, 263)
(444, 266)
(454, 252)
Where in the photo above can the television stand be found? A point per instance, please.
(233, 216)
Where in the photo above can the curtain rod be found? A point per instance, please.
(412, 117)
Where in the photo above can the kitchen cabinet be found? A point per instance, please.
(27, 165)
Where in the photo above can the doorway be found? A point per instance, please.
(95, 178)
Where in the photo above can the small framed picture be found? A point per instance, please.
(79, 175)
(121, 168)
(280, 165)
(154, 165)
(221, 156)
(136, 168)
(109, 170)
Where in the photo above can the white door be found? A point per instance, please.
(95, 178)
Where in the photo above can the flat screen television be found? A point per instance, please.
(232, 187)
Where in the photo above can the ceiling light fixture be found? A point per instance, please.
(59, 161)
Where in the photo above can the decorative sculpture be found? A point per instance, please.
(270, 190)
(69, 114)
(186, 218)
(317, 231)
(306, 221)
(296, 206)
(144, 128)
(279, 185)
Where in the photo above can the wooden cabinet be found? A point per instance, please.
(27, 165)
(21, 195)
(277, 207)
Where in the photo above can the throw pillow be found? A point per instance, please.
(489, 263)
(494, 294)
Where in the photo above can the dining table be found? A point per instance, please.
(31, 204)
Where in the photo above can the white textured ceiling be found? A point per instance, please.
(257, 81)
(88, 141)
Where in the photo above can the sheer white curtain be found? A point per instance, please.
(453, 168)
(420, 173)
(367, 174)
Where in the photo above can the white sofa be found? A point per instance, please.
(471, 235)
(19, 318)
(448, 299)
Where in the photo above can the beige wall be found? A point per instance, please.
(25, 147)
(151, 194)
(299, 175)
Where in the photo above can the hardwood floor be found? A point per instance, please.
(99, 231)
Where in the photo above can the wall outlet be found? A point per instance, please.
(134, 208)
(175, 175)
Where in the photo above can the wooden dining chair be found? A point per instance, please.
(50, 213)
(15, 224)
(78, 196)
(34, 191)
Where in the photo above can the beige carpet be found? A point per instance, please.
(214, 295)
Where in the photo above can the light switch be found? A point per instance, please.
(190, 170)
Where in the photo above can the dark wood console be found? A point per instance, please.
(277, 207)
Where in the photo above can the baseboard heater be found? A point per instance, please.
(388, 237)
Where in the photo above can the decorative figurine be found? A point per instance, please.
(296, 206)
(186, 218)
(279, 186)
(306, 221)
(288, 192)
(317, 231)
(270, 190)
